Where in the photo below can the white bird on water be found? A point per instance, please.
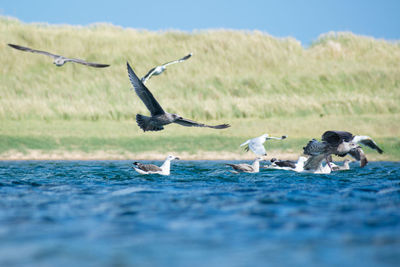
(164, 169)
(256, 144)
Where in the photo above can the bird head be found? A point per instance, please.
(171, 157)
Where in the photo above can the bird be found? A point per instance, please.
(160, 69)
(333, 137)
(59, 60)
(243, 167)
(320, 151)
(164, 169)
(159, 117)
(345, 166)
(287, 164)
(256, 144)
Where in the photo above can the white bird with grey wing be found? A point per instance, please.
(59, 60)
(159, 118)
(257, 144)
(160, 69)
(164, 169)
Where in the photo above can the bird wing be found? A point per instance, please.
(144, 94)
(285, 163)
(257, 148)
(245, 143)
(146, 77)
(371, 144)
(314, 162)
(27, 49)
(178, 60)
(359, 154)
(277, 138)
(241, 167)
(190, 123)
(314, 148)
(148, 167)
(80, 61)
(336, 137)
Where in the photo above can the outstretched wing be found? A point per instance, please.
(336, 137)
(144, 94)
(27, 49)
(367, 141)
(178, 61)
(190, 123)
(358, 154)
(91, 64)
(258, 148)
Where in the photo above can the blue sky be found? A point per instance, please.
(304, 20)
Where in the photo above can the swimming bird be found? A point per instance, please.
(287, 164)
(243, 167)
(283, 163)
(59, 60)
(160, 69)
(164, 169)
(256, 144)
(333, 137)
(345, 166)
(159, 117)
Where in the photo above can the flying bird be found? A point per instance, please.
(333, 137)
(164, 169)
(243, 167)
(159, 117)
(59, 60)
(256, 144)
(160, 69)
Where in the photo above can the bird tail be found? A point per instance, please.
(144, 123)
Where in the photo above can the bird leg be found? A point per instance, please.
(327, 162)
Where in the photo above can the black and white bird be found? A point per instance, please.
(290, 165)
(160, 69)
(59, 60)
(244, 167)
(164, 169)
(257, 144)
(159, 118)
(333, 137)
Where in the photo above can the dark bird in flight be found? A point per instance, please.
(159, 117)
(160, 69)
(59, 60)
(335, 137)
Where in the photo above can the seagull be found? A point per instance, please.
(243, 167)
(160, 69)
(287, 164)
(343, 167)
(59, 60)
(256, 144)
(333, 137)
(164, 169)
(159, 117)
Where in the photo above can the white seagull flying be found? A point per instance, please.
(256, 144)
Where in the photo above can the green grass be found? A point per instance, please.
(253, 81)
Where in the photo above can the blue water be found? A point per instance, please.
(102, 213)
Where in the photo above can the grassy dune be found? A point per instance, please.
(254, 81)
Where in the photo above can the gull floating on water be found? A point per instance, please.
(243, 167)
(287, 164)
(59, 60)
(334, 137)
(164, 169)
(159, 117)
(256, 144)
(344, 167)
(160, 69)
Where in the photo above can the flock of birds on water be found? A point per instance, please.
(316, 158)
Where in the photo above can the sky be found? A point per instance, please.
(304, 20)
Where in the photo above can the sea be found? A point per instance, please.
(103, 213)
